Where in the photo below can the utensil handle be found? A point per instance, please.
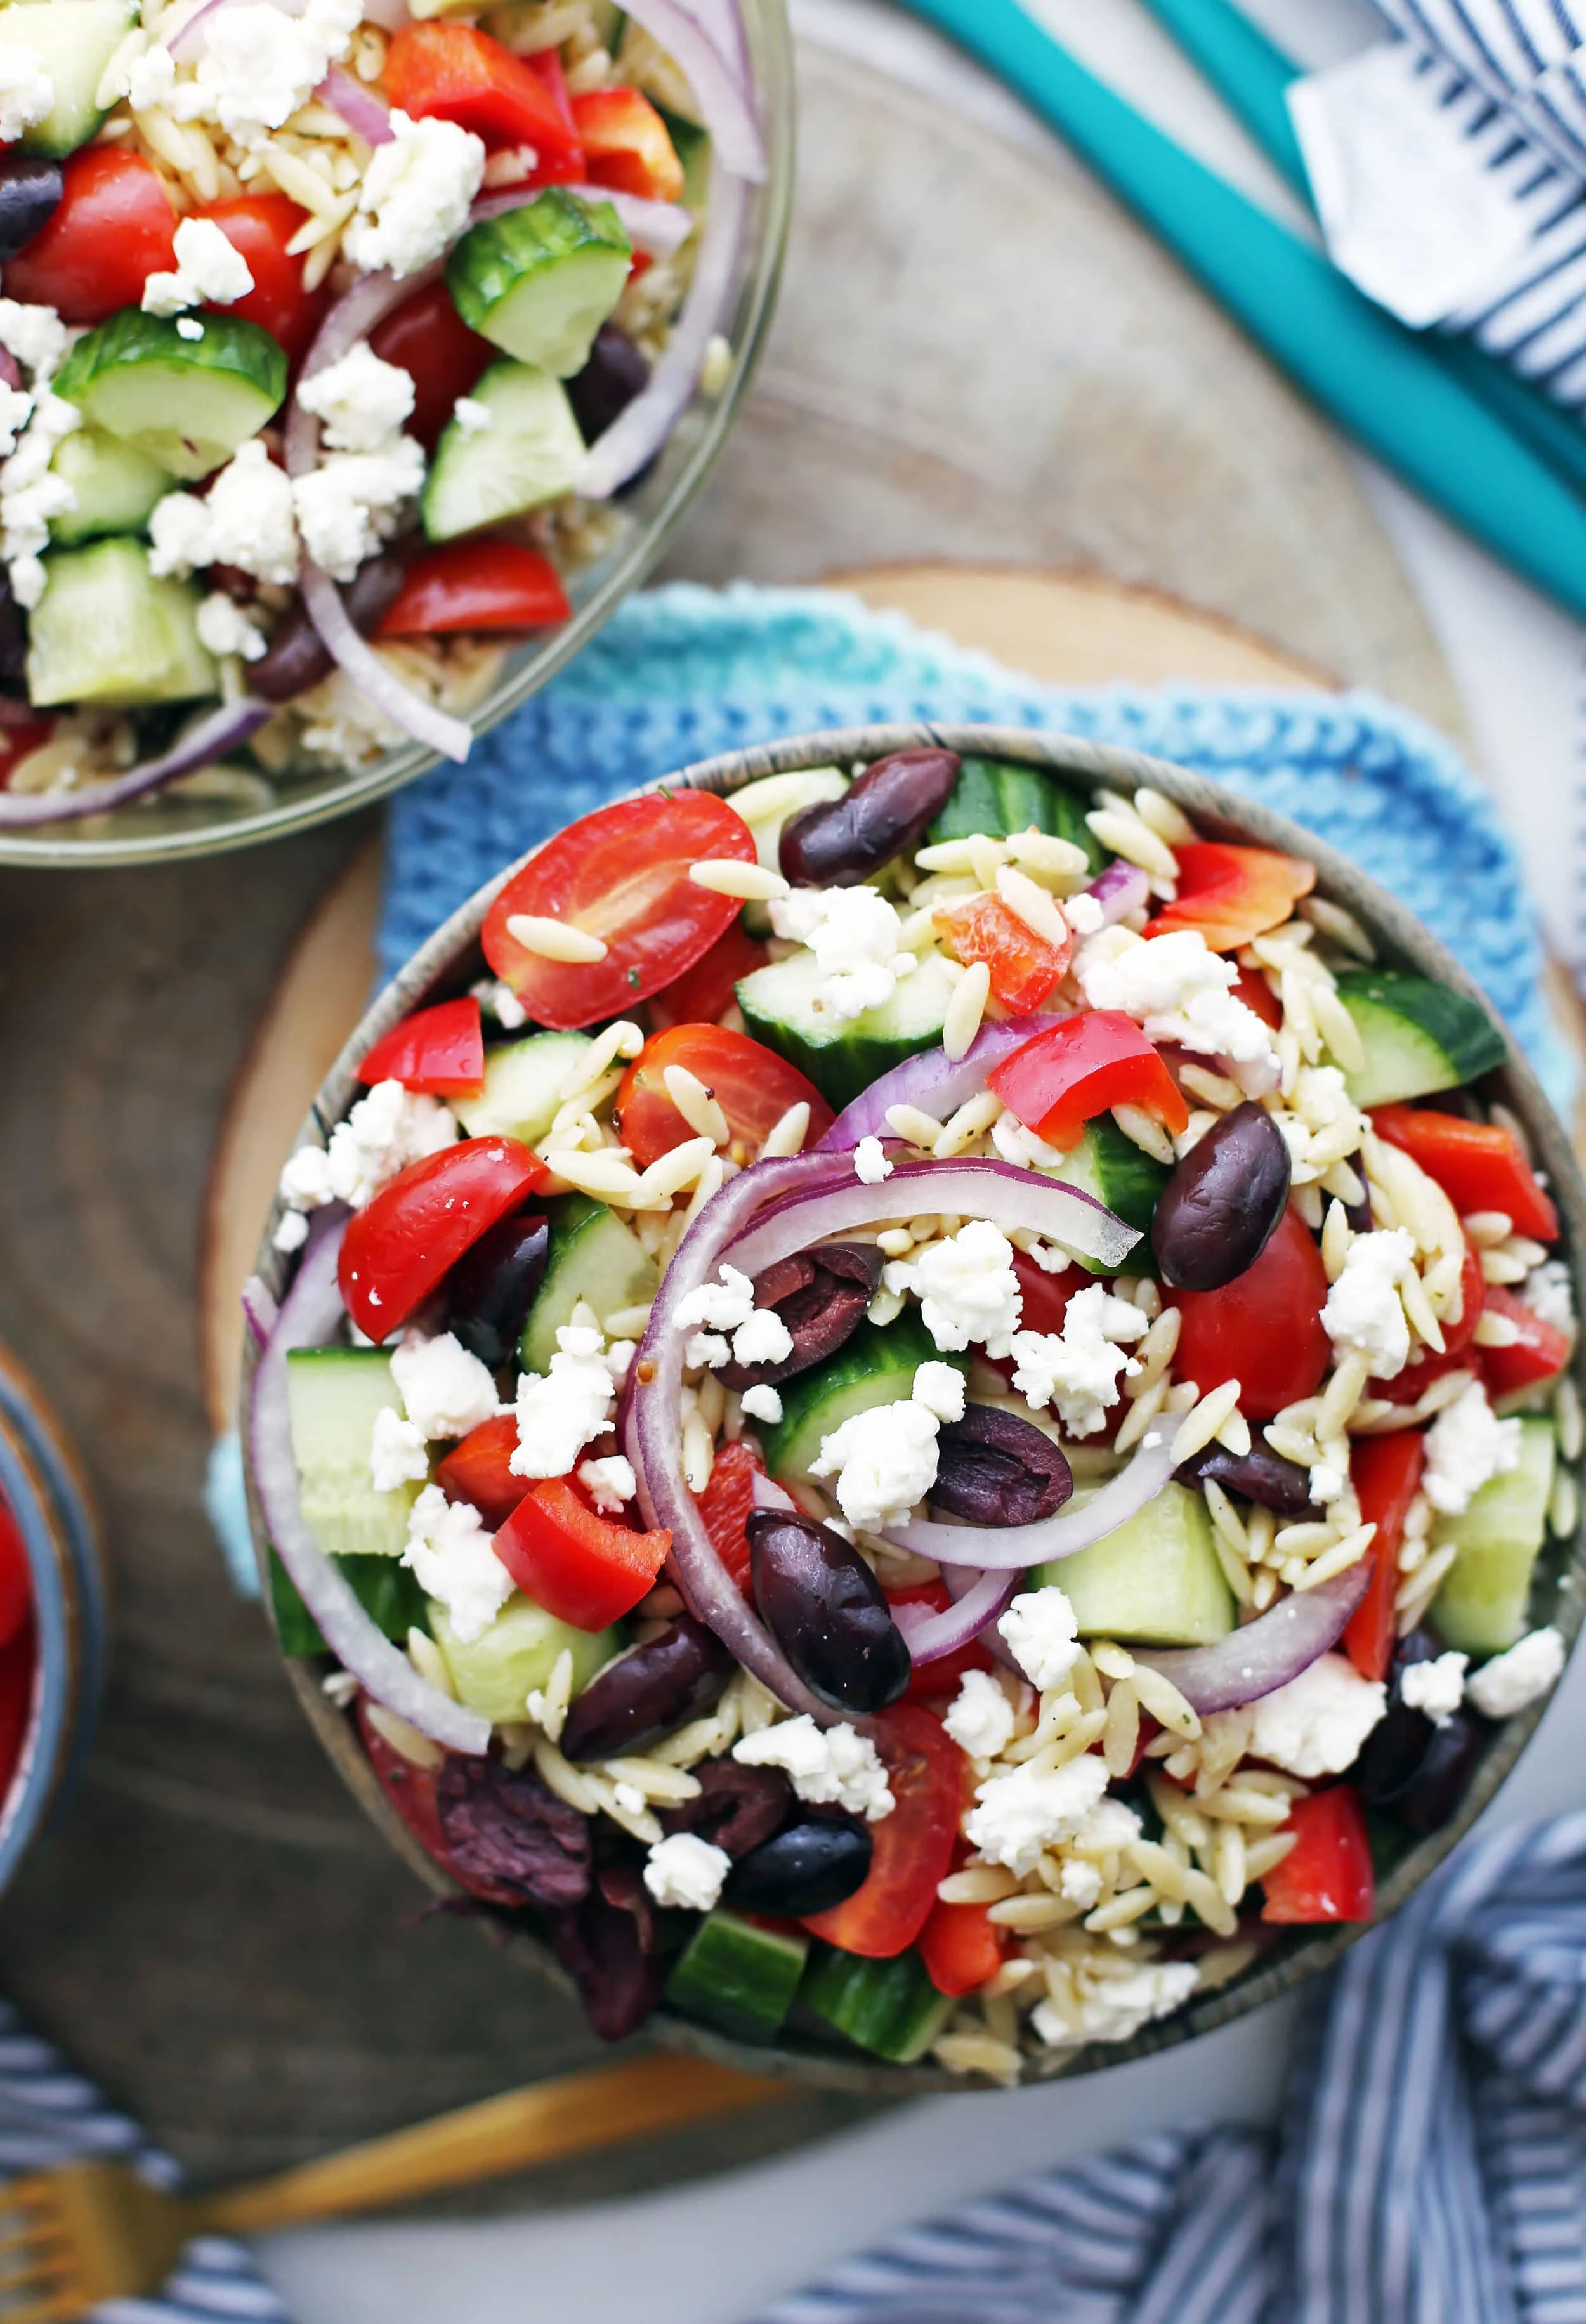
(541, 2123)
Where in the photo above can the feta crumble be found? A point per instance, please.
(1364, 1310)
(415, 197)
(360, 399)
(384, 1131)
(449, 1550)
(36, 336)
(399, 1453)
(244, 519)
(1077, 1371)
(981, 1719)
(30, 493)
(1176, 989)
(210, 272)
(1114, 2008)
(1547, 1291)
(940, 1389)
(1022, 1814)
(839, 1764)
(609, 1482)
(1436, 1687)
(855, 936)
(870, 1165)
(499, 1001)
(966, 1287)
(1467, 1445)
(686, 1872)
(1040, 1632)
(884, 1461)
(472, 416)
(446, 1390)
(762, 1339)
(1316, 1724)
(353, 500)
(560, 1410)
(1079, 1883)
(224, 629)
(1511, 1681)
(728, 1321)
(258, 64)
(27, 93)
(762, 1403)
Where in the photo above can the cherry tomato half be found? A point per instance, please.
(725, 1503)
(622, 875)
(962, 1947)
(1385, 1473)
(427, 338)
(16, 1579)
(488, 584)
(438, 1050)
(479, 1470)
(913, 1845)
(397, 1249)
(261, 225)
(1264, 1329)
(753, 1087)
(937, 1682)
(114, 229)
(706, 992)
(1327, 1875)
(18, 1670)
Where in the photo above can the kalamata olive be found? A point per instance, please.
(839, 844)
(1416, 1770)
(614, 376)
(1258, 1475)
(677, 1676)
(29, 194)
(826, 1610)
(491, 1289)
(821, 1295)
(14, 642)
(606, 1944)
(736, 1808)
(994, 1469)
(297, 659)
(807, 1868)
(1215, 1215)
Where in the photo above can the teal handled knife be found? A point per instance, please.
(1380, 381)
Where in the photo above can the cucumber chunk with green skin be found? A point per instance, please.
(1154, 1582)
(73, 44)
(334, 1395)
(540, 282)
(876, 1366)
(888, 2007)
(521, 1079)
(388, 1592)
(993, 798)
(105, 631)
(737, 1977)
(116, 487)
(531, 453)
(495, 1673)
(842, 1056)
(188, 403)
(1113, 1168)
(592, 1256)
(1481, 1606)
(1418, 1036)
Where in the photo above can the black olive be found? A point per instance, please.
(735, 1807)
(840, 842)
(1416, 1770)
(826, 1610)
(1258, 1475)
(29, 194)
(614, 376)
(491, 1289)
(14, 642)
(994, 1469)
(806, 1869)
(1215, 1215)
(822, 1296)
(297, 657)
(646, 1692)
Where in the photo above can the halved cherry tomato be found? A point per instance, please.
(620, 874)
(1025, 970)
(261, 225)
(397, 1249)
(18, 1670)
(1385, 1473)
(411, 1791)
(427, 338)
(725, 1503)
(582, 1568)
(705, 991)
(488, 584)
(1327, 1875)
(1045, 1297)
(478, 1470)
(1540, 1353)
(440, 1050)
(913, 1845)
(1252, 988)
(932, 1682)
(753, 1087)
(626, 144)
(1082, 1067)
(1410, 1385)
(1264, 1329)
(114, 229)
(454, 72)
(962, 1947)
(1233, 894)
(16, 1579)
(19, 743)
(1479, 1164)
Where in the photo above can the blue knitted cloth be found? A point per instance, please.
(684, 672)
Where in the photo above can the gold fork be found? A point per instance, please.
(93, 2231)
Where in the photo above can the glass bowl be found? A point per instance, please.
(235, 811)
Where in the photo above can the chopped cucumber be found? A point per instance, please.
(876, 1366)
(1481, 1606)
(496, 1672)
(529, 454)
(1156, 1581)
(73, 43)
(888, 2007)
(116, 487)
(993, 799)
(334, 1395)
(521, 1079)
(388, 1592)
(738, 1977)
(540, 282)
(1418, 1036)
(592, 1256)
(1112, 1168)
(105, 631)
(136, 374)
(842, 1059)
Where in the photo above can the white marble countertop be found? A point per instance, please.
(711, 2254)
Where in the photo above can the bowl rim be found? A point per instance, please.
(1218, 812)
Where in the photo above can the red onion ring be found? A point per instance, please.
(766, 1494)
(1276, 1646)
(1121, 889)
(660, 228)
(220, 731)
(930, 1081)
(721, 87)
(358, 106)
(929, 1635)
(10, 369)
(1003, 1549)
(310, 1314)
(261, 1309)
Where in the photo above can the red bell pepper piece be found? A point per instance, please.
(396, 1249)
(1025, 970)
(1385, 1473)
(1252, 988)
(725, 1503)
(584, 1569)
(703, 993)
(476, 584)
(1327, 1875)
(1479, 1164)
(1084, 1066)
(912, 1847)
(626, 145)
(440, 1050)
(933, 1682)
(1540, 1353)
(1233, 894)
(962, 1947)
(457, 73)
(568, 168)
(479, 1469)
(19, 743)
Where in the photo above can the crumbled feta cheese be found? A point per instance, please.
(686, 1872)
(763, 1339)
(705, 1350)
(384, 1131)
(415, 197)
(361, 401)
(885, 1460)
(398, 1453)
(1467, 1445)
(1077, 1371)
(855, 935)
(27, 93)
(259, 64)
(1041, 1634)
(870, 1165)
(609, 1482)
(762, 1403)
(500, 1001)
(472, 416)
(559, 1411)
(1114, 2008)
(148, 78)
(224, 629)
(30, 493)
(840, 1765)
(1364, 1310)
(16, 405)
(188, 328)
(210, 272)
(1021, 1147)
(940, 1389)
(449, 1550)
(291, 1231)
(1547, 1291)
(353, 500)
(446, 1390)
(35, 336)
(965, 1285)
(1327, 1482)
(1022, 1814)
(981, 1720)
(1079, 1883)
(1435, 1687)
(1511, 1681)
(245, 519)
(1316, 1724)
(1109, 1828)
(719, 1306)
(1083, 914)
(629, 1798)
(1176, 989)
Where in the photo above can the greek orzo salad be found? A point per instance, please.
(925, 1415)
(328, 331)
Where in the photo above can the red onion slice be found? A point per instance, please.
(766, 1494)
(1121, 889)
(1276, 1646)
(219, 731)
(929, 1635)
(358, 106)
(261, 1309)
(930, 1081)
(1011, 1548)
(721, 86)
(452, 737)
(659, 229)
(308, 1315)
